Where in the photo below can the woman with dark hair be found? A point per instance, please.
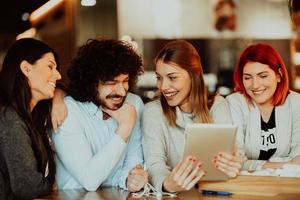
(184, 100)
(266, 111)
(27, 82)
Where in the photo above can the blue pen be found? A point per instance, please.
(213, 192)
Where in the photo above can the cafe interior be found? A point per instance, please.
(219, 35)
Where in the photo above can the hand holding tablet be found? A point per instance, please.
(184, 176)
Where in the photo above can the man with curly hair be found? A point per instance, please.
(99, 143)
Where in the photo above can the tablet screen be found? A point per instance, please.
(205, 141)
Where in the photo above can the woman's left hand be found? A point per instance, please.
(59, 109)
(230, 164)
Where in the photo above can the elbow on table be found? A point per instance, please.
(91, 187)
(23, 192)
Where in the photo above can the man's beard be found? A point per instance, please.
(110, 105)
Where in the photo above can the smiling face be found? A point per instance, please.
(112, 93)
(260, 82)
(42, 77)
(174, 84)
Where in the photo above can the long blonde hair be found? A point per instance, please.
(184, 55)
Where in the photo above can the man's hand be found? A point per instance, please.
(184, 176)
(136, 179)
(126, 118)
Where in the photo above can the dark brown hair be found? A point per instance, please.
(15, 92)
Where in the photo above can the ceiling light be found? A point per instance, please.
(88, 2)
(44, 9)
(25, 16)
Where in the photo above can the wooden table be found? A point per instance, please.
(243, 188)
(267, 186)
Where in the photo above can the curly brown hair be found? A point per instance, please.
(101, 60)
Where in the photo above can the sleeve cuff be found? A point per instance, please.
(122, 181)
(158, 181)
(256, 165)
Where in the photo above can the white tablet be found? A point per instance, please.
(205, 141)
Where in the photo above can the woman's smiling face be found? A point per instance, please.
(174, 84)
(260, 82)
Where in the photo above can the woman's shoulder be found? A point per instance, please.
(153, 113)
(9, 114)
(153, 109)
(10, 121)
(153, 106)
(219, 99)
(293, 98)
(236, 99)
(236, 96)
(220, 111)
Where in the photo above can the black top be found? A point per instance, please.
(268, 137)
(19, 177)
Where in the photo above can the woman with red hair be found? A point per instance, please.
(265, 110)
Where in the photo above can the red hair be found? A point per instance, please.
(265, 54)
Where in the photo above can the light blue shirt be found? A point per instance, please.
(89, 152)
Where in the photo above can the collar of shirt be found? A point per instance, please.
(182, 119)
(93, 109)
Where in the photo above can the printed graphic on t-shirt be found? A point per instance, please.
(268, 139)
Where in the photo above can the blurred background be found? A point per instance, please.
(219, 29)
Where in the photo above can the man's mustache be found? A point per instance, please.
(114, 96)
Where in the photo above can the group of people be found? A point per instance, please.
(96, 133)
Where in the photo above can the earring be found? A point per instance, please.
(279, 71)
